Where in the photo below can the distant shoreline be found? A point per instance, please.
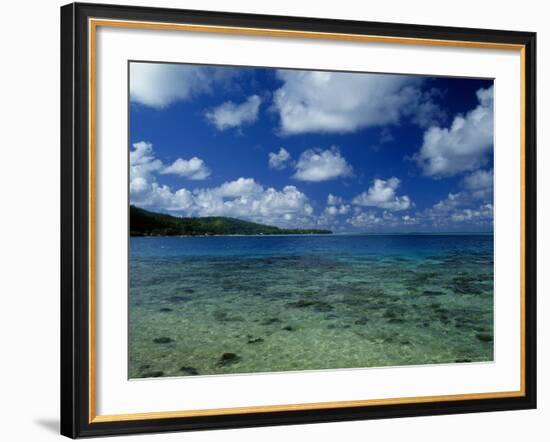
(147, 223)
(144, 223)
(318, 234)
(233, 234)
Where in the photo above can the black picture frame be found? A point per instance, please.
(75, 220)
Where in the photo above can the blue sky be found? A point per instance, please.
(346, 151)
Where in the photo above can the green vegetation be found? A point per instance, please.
(145, 223)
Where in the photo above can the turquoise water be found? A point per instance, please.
(242, 304)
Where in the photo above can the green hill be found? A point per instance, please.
(146, 223)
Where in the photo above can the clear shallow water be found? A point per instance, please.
(241, 304)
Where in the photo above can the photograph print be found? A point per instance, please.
(288, 220)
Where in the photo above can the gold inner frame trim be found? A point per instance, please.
(93, 24)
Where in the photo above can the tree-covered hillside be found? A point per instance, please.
(146, 223)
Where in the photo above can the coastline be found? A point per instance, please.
(271, 235)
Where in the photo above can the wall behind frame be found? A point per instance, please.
(29, 221)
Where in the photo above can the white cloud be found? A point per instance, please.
(452, 201)
(480, 184)
(459, 208)
(142, 155)
(278, 161)
(242, 198)
(343, 209)
(193, 169)
(145, 190)
(472, 203)
(409, 220)
(381, 222)
(424, 110)
(239, 187)
(335, 206)
(229, 114)
(333, 200)
(313, 101)
(142, 165)
(483, 213)
(463, 147)
(160, 84)
(321, 165)
(382, 194)
(365, 219)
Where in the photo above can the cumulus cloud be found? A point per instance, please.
(458, 208)
(158, 85)
(313, 101)
(333, 200)
(242, 198)
(279, 160)
(382, 194)
(343, 209)
(144, 188)
(480, 184)
(365, 219)
(240, 187)
(335, 206)
(142, 165)
(472, 204)
(409, 220)
(453, 201)
(229, 114)
(142, 160)
(321, 165)
(387, 220)
(423, 110)
(193, 169)
(465, 146)
(483, 214)
(248, 199)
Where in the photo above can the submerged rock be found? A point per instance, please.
(177, 299)
(189, 370)
(319, 306)
(341, 326)
(253, 340)
(163, 340)
(391, 314)
(270, 321)
(423, 277)
(229, 359)
(224, 317)
(467, 284)
(432, 293)
(361, 321)
(485, 337)
(153, 374)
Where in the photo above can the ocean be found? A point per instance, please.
(250, 304)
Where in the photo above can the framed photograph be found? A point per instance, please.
(275, 220)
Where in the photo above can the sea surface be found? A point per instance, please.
(243, 304)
